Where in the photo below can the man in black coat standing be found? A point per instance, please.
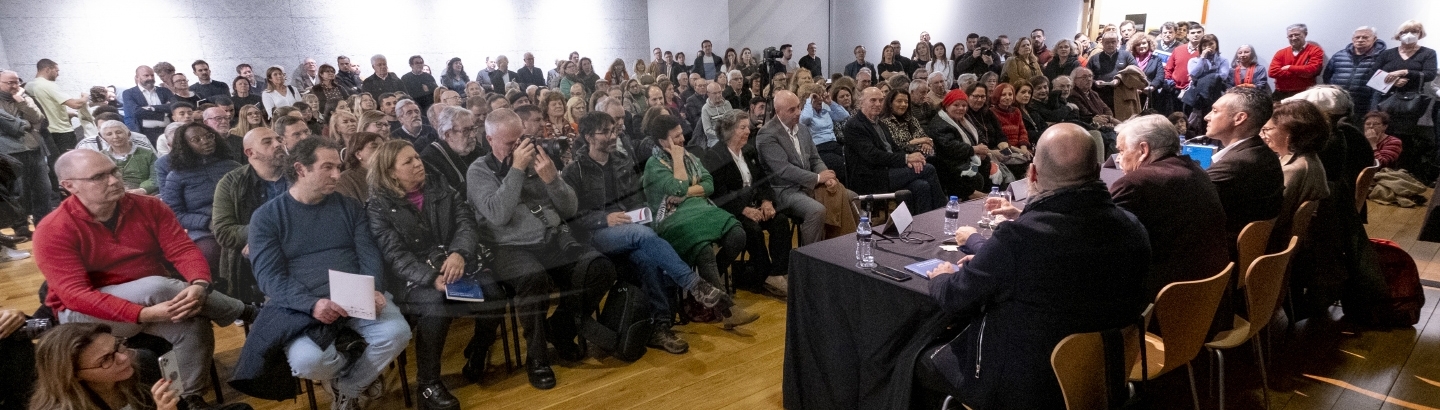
(1071, 262)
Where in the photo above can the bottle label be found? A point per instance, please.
(952, 214)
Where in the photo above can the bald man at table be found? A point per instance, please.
(1071, 262)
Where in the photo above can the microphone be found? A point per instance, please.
(900, 195)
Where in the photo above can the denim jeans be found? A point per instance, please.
(655, 258)
(387, 335)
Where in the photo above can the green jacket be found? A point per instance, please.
(135, 170)
(238, 194)
(695, 223)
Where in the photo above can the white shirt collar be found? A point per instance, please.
(1221, 154)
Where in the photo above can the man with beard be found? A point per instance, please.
(146, 104)
(238, 194)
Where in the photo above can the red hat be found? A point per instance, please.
(952, 97)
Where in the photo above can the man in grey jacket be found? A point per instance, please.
(786, 148)
(20, 139)
(521, 202)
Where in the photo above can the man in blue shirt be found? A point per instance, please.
(295, 240)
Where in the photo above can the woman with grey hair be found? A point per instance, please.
(742, 188)
(1246, 71)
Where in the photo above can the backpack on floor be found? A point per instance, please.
(624, 324)
(1401, 303)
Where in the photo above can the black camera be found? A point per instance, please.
(34, 328)
(771, 53)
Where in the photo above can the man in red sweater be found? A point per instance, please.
(103, 253)
(1294, 68)
(1177, 68)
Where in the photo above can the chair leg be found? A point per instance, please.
(1264, 379)
(504, 340)
(215, 382)
(1221, 355)
(404, 379)
(1194, 395)
(515, 337)
(310, 392)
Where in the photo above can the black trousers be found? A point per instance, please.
(581, 275)
(771, 260)
(17, 372)
(432, 324)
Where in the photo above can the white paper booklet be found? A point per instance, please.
(354, 293)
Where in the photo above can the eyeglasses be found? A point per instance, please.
(200, 138)
(108, 360)
(100, 178)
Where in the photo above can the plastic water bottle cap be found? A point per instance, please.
(954, 198)
(864, 219)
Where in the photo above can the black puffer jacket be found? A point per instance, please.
(409, 238)
(1352, 72)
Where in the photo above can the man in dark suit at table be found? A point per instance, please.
(1174, 199)
(146, 105)
(1246, 172)
(1072, 262)
(502, 74)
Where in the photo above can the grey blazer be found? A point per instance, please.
(789, 169)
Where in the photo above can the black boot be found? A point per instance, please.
(475, 363)
(434, 396)
(541, 375)
(562, 334)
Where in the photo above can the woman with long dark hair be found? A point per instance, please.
(197, 162)
(328, 93)
(454, 77)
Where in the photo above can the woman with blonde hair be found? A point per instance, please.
(81, 366)
(362, 102)
(343, 124)
(574, 109)
(250, 118)
(277, 94)
(1022, 64)
(373, 121)
(617, 74)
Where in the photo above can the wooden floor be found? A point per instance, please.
(1322, 364)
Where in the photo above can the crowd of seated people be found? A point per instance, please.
(530, 180)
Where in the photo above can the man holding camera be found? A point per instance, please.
(521, 202)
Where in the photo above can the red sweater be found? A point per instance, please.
(1177, 68)
(1303, 67)
(78, 255)
(1012, 124)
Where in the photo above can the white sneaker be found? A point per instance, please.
(778, 285)
(12, 254)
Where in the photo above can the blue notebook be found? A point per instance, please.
(466, 290)
(921, 268)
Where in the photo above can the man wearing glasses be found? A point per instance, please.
(450, 156)
(103, 253)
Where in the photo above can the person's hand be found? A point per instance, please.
(677, 152)
(768, 208)
(1072, 106)
(157, 313)
(136, 191)
(544, 167)
(1401, 82)
(617, 218)
(523, 154)
(165, 399)
(982, 150)
(987, 59)
(440, 283)
(1285, 67)
(245, 251)
(922, 141)
(964, 233)
(327, 311)
(188, 302)
(1002, 207)
(975, 52)
(1149, 89)
(452, 268)
(1099, 83)
(944, 268)
(753, 213)
(695, 190)
(826, 177)
(379, 302)
(10, 321)
(916, 161)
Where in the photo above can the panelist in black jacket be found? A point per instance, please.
(1246, 173)
(878, 165)
(427, 235)
(742, 186)
(1071, 262)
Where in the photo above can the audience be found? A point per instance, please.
(1352, 67)
(962, 159)
(1246, 173)
(789, 152)
(196, 166)
(521, 203)
(238, 194)
(823, 116)
(742, 187)
(119, 279)
(1294, 68)
(146, 105)
(352, 183)
(1408, 67)
(277, 94)
(1026, 298)
(133, 160)
(878, 165)
(419, 84)
(298, 238)
(21, 126)
(411, 127)
(382, 81)
(1387, 148)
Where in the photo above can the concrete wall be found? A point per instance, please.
(101, 41)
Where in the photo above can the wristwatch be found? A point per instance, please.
(203, 283)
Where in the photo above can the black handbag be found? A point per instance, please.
(1405, 103)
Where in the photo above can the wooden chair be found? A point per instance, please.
(1079, 363)
(1252, 241)
(1263, 281)
(1300, 231)
(1362, 186)
(1184, 310)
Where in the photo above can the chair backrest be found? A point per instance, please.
(1263, 283)
(1252, 242)
(1184, 310)
(1079, 364)
(1362, 186)
(1300, 226)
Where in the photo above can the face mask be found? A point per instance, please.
(1409, 38)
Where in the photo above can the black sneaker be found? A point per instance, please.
(665, 339)
(710, 296)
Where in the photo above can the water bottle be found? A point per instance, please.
(987, 221)
(952, 216)
(862, 244)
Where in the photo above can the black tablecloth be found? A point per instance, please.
(852, 337)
